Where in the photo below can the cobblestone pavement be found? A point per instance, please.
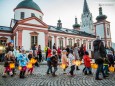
(39, 78)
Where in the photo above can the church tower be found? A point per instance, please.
(76, 26)
(87, 22)
(102, 28)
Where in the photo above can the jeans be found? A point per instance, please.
(55, 69)
(87, 69)
(100, 68)
(49, 67)
(72, 69)
(105, 69)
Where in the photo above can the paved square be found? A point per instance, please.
(39, 78)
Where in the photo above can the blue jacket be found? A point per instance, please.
(23, 60)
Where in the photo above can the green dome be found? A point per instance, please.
(101, 16)
(76, 25)
(28, 4)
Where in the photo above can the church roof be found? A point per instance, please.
(28, 4)
(70, 31)
(6, 29)
(85, 7)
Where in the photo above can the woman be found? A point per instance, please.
(76, 54)
(59, 54)
(39, 53)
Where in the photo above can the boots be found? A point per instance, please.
(85, 73)
(77, 68)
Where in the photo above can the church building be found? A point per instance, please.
(28, 28)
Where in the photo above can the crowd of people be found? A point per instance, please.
(68, 56)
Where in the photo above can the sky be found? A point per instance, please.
(66, 10)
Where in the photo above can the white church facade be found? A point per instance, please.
(28, 28)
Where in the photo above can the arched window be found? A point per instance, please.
(61, 43)
(34, 38)
(70, 42)
(50, 42)
(32, 15)
(22, 15)
(89, 44)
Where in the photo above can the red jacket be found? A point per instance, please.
(87, 60)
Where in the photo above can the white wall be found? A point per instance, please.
(100, 30)
(26, 40)
(27, 13)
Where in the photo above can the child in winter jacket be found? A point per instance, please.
(71, 59)
(87, 63)
(64, 60)
(54, 62)
(23, 60)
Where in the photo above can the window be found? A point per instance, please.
(3, 40)
(32, 15)
(70, 42)
(61, 43)
(78, 42)
(50, 42)
(22, 15)
(108, 31)
(34, 38)
(89, 45)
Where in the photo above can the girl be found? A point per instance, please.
(8, 59)
(64, 60)
(87, 63)
(71, 64)
(23, 60)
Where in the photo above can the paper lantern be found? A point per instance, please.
(111, 69)
(63, 66)
(94, 66)
(12, 65)
(29, 65)
(33, 61)
(77, 62)
(20, 68)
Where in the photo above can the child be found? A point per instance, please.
(49, 61)
(71, 64)
(30, 55)
(23, 60)
(87, 63)
(64, 60)
(54, 60)
(8, 59)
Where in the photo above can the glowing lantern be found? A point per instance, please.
(77, 63)
(63, 66)
(12, 65)
(33, 61)
(29, 65)
(20, 68)
(94, 66)
(111, 69)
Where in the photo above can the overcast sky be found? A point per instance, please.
(66, 10)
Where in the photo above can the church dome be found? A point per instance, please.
(30, 4)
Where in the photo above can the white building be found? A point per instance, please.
(28, 28)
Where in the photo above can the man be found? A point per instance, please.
(99, 55)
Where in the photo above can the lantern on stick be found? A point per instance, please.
(19, 68)
(77, 62)
(111, 69)
(94, 66)
(33, 61)
(63, 66)
(12, 65)
(29, 65)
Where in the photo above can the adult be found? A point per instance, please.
(99, 55)
(39, 53)
(34, 49)
(54, 46)
(46, 51)
(59, 54)
(76, 54)
(9, 47)
(81, 51)
(67, 49)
